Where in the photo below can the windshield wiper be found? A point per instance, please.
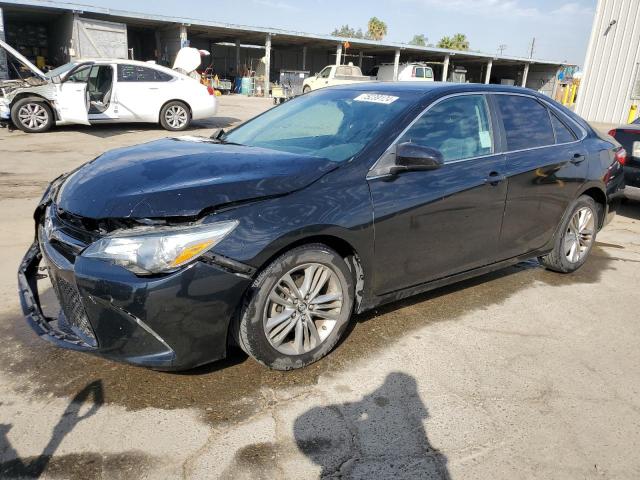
(218, 137)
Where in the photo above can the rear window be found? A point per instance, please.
(526, 122)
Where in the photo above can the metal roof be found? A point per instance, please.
(249, 34)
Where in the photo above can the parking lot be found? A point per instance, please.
(521, 373)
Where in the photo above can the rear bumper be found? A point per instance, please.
(173, 322)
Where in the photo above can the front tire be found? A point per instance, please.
(32, 115)
(175, 116)
(306, 89)
(577, 235)
(297, 308)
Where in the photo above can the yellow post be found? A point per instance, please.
(633, 113)
(574, 90)
(565, 98)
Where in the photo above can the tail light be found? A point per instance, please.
(621, 156)
(211, 90)
(612, 132)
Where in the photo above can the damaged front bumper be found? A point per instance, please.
(170, 322)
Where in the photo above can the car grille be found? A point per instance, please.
(74, 311)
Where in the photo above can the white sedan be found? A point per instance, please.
(104, 91)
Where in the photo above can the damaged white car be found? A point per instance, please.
(104, 91)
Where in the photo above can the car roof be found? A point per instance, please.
(434, 87)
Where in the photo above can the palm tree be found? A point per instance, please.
(460, 42)
(456, 42)
(377, 29)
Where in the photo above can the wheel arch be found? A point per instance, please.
(598, 196)
(181, 100)
(34, 96)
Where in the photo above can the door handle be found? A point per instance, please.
(577, 159)
(495, 178)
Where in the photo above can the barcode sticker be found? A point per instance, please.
(376, 98)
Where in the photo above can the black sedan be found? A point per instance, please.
(273, 235)
(629, 137)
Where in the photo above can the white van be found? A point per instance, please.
(407, 72)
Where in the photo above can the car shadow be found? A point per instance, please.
(630, 209)
(382, 435)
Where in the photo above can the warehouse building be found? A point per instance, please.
(610, 85)
(52, 33)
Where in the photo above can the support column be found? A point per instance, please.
(396, 65)
(304, 57)
(525, 74)
(360, 59)
(158, 47)
(267, 64)
(237, 67)
(339, 54)
(445, 67)
(487, 77)
(184, 40)
(4, 66)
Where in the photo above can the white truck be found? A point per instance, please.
(335, 75)
(407, 72)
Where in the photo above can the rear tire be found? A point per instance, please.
(175, 116)
(304, 322)
(576, 237)
(32, 115)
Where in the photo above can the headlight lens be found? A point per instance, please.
(157, 250)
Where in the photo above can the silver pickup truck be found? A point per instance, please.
(334, 75)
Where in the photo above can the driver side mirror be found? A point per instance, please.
(56, 80)
(412, 157)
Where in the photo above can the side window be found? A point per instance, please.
(136, 73)
(81, 75)
(563, 133)
(419, 72)
(526, 122)
(325, 73)
(428, 72)
(458, 127)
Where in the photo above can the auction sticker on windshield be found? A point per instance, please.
(376, 98)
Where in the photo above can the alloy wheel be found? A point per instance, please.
(33, 116)
(303, 308)
(579, 235)
(176, 116)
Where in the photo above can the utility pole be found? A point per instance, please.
(533, 46)
(501, 48)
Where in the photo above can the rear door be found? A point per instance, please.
(545, 166)
(141, 92)
(431, 224)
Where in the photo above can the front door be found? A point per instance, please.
(72, 102)
(432, 224)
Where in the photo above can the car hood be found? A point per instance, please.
(182, 177)
(22, 59)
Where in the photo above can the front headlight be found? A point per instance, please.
(156, 250)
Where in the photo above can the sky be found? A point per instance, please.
(561, 27)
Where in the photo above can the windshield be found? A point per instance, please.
(61, 70)
(331, 124)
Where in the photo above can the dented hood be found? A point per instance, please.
(174, 177)
(22, 59)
